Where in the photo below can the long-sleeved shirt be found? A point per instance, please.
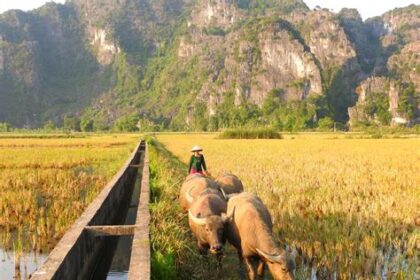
(197, 163)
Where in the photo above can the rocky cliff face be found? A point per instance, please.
(20, 79)
(171, 61)
(219, 13)
(105, 50)
(389, 90)
(251, 56)
(1, 56)
(330, 41)
(254, 60)
(45, 66)
(396, 70)
(325, 37)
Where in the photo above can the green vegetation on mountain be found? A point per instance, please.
(409, 101)
(377, 105)
(201, 65)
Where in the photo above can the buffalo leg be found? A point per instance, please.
(219, 262)
(241, 266)
(250, 268)
(260, 269)
(203, 250)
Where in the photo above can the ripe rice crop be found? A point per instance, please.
(349, 206)
(45, 184)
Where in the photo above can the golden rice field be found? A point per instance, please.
(45, 183)
(351, 207)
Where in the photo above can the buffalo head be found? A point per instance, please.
(212, 230)
(280, 265)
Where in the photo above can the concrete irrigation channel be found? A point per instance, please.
(96, 240)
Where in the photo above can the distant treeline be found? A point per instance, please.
(246, 132)
(312, 114)
(256, 133)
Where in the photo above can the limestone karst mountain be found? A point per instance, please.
(203, 64)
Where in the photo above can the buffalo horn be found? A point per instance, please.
(195, 220)
(271, 258)
(189, 197)
(223, 193)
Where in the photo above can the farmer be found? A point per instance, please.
(197, 162)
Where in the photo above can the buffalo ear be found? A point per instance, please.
(225, 218)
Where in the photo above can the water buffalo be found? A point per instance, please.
(230, 184)
(192, 187)
(193, 175)
(207, 218)
(250, 232)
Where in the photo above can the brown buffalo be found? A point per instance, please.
(194, 175)
(207, 219)
(250, 232)
(230, 184)
(191, 189)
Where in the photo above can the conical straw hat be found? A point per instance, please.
(196, 148)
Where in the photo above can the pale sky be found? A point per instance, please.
(25, 5)
(367, 8)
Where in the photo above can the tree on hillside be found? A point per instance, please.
(49, 126)
(377, 106)
(127, 123)
(5, 127)
(408, 101)
(86, 124)
(71, 123)
(326, 123)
